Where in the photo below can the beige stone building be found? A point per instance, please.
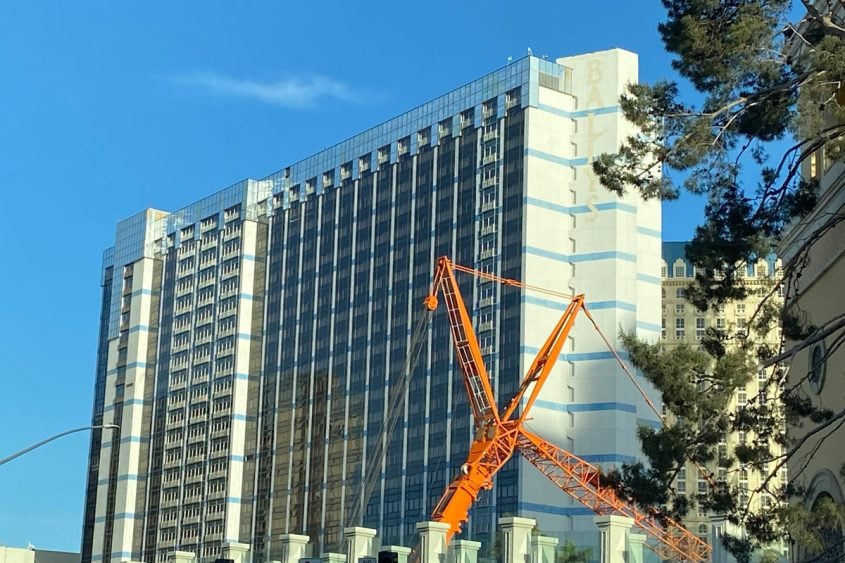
(684, 324)
(818, 297)
(814, 292)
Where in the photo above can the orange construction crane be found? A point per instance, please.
(499, 435)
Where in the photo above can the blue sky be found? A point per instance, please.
(107, 108)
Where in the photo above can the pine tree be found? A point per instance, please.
(769, 95)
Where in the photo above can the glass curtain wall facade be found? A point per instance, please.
(251, 342)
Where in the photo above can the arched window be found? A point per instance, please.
(680, 269)
(681, 293)
(833, 548)
(815, 375)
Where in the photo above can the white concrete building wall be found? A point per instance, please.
(135, 333)
(243, 347)
(581, 238)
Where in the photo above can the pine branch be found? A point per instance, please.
(824, 20)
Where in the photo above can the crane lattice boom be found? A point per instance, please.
(497, 436)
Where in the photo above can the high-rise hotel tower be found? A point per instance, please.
(249, 342)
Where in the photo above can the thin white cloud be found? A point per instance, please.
(291, 92)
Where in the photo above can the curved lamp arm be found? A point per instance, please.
(59, 435)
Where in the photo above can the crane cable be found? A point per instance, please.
(708, 475)
(616, 355)
(393, 408)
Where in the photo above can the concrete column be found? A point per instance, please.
(237, 552)
(516, 539)
(635, 547)
(294, 547)
(182, 557)
(359, 543)
(464, 551)
(333, 558)
(432, 541)
(613, 537)
(543, 549)
(401, 551)
(719, 526)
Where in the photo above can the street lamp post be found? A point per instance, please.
(59, 435)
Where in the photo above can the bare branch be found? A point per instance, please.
(819, 334)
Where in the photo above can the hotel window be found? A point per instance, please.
(403, 147)
(467, 118)
(663, 328)
(364, 163)
(384, 154)
(488, 198)
(679, 328)
(680, 270)
(489, 108)
(740, 308)
(512, 98)
(681, 293)
(345, 171)
(680, 309)
(699, 329)
(444, 128)
(424, 136)
(209, 222)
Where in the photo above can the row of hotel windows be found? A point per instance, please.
(207, 551)
(193, 490)
(681, 293)
(199, 377)
(680, 270)
(218, 424)
(700, 326)
(207, 268)
(185, 287)
(193, 510)
(403, 146)
(191, 530)
(209, 226)
(197, 409)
